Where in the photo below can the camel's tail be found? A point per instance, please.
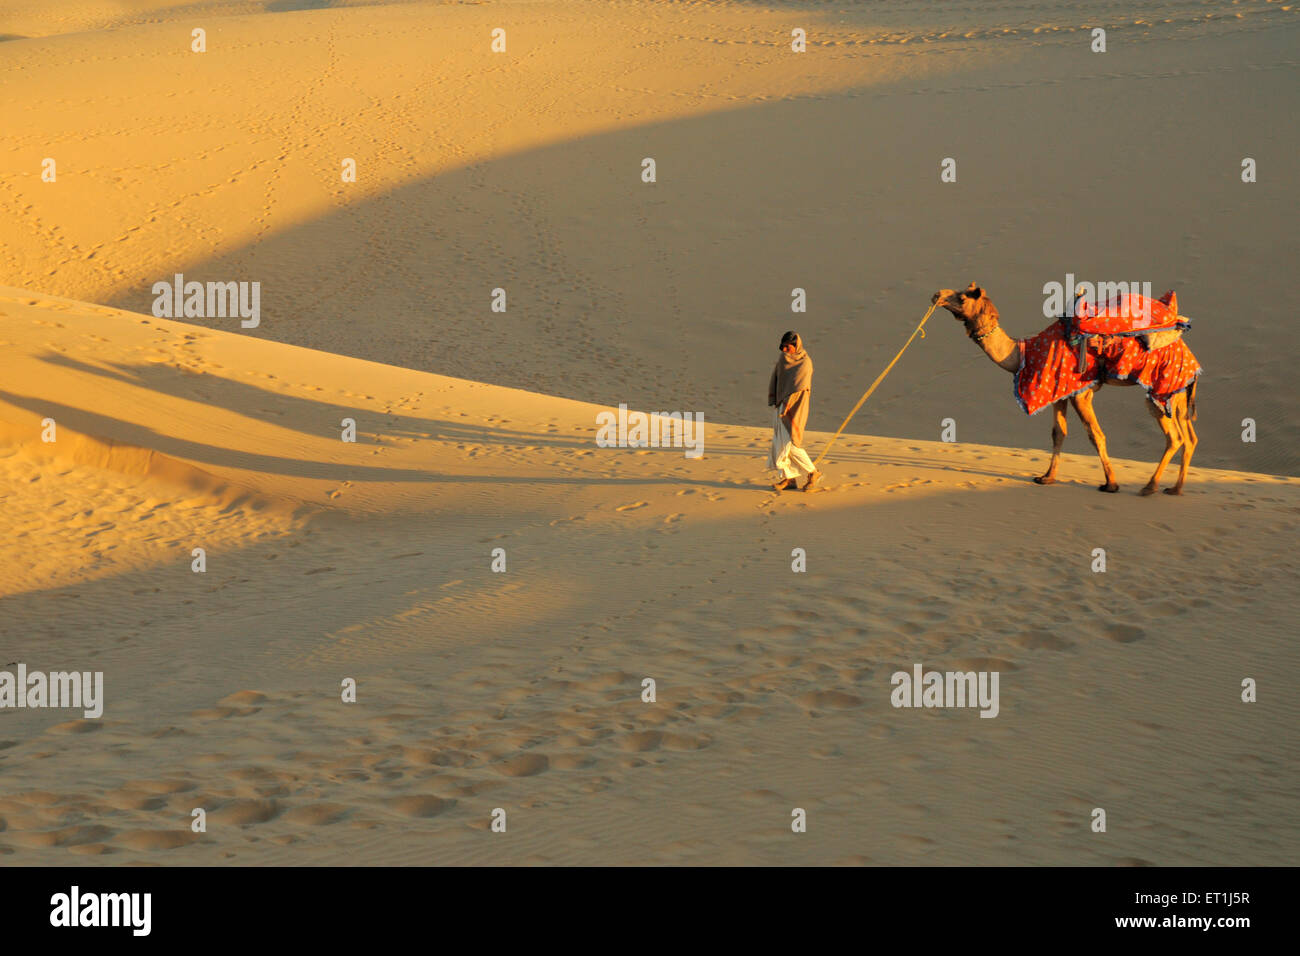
(1191, 401)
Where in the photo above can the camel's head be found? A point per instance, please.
(966, 305)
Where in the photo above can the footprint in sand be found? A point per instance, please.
(633, 506)
(1125, 633)
(572, 762)
(244, 811)
(525, 765)
(1040, 639)
(642, 742)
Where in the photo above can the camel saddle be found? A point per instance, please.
(1155, 321)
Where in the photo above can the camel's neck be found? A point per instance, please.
(996, 344)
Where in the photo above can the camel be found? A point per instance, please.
(977, 312)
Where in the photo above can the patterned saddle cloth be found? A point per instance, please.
(1124, 314)
(1118, 342)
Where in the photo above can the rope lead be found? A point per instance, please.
(880, 378)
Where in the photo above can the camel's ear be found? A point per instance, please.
(973, 291)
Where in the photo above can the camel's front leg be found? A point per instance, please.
(1173, 439)
(1058, 439)
(1083, 407)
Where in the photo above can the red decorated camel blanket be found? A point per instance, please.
(1114, 338)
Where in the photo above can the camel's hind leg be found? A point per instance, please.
(1173, 441)
(1184, 422)
(1058, 439)
(1083, 407)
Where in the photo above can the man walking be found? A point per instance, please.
(790, 392)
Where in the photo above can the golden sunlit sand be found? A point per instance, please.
(475, 431)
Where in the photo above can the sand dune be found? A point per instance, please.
(522, 690)
(522, 173)
(475, 430)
